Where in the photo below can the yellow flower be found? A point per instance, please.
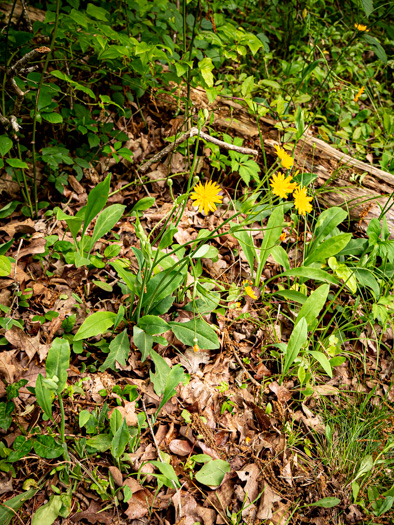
(360, 92)
(196, 348)
(246, 281)
(286, 160)
(250, 292)
(302, 201)
(247, 440)
(281, 186)
(361, 27)
(282, 237)
(206, 196)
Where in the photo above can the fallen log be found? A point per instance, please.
(336, 171)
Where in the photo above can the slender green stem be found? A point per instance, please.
(26, 191)
(63, 428)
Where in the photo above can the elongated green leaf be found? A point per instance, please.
(213, 472)
(49, 512)
(115, 421)
(313, 305)
(101, 443)
(96, 201)
(325, 363)
(245, 239)
(9, 507)
(160, 286)
(106, 221)
(271, 237)
(311, 273)
(120, 440)
(159, 378)
(280, 256)
(297, 339)
(46, 447)
(119, 350)
(96, 324)
(366, 465)
(128, 277)
(5, 144)
(22, 447)
(175, 377)
(207, 339)
(143, 204)
(167, 471)
(328, 220)
(58, 361)
(325, 503)
(43, 395)
(292, 295)
(142, 341)
(328, 248)
(8, 210)
(153, 325)
(5, 266)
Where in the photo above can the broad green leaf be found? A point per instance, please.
(5, 144)
(17, 163)
(313, 305)
(328, 248)
(115, 421)
(46, 447)
(96, 324)
(271, 237)
(297, 339)
(328, 220)
(245, 239)
(175, 377)
(128, 277)
(106, 221)
(8, 209)
(377, 47)
(119, 350)
(143, 204)
(48, 513)
(80, 260)
(58, 361)
(206, 251)
(160, 376)
(5, 266)
(325, 503)
(160, 286)
(74, 223)
(142, 341)
(207, 339)
(120, 440)
(280, 256)
(293, 295)
(205, 66)
(97, 12)
(366, 278)
(343, 272)
(97, 200)
(44, 397)
(366, 466)
(168, 237)
(322, 359)
(53, 118)
(22, 447)
(153, 325)
(310, 273)
(167, 471)
(101, 443)
(10, 507)
(212, 473)
(83, 418)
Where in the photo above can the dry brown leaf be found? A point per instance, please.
(281, 392)
(250, 474)
(5, 483)
(14, 227)
(18, 274)
(30, 345)
(36, 246)
(180, 447)
(117, 475)
(192, 360)
(325, 390)
(267, 500)
(9, 367)
(128, 412)
(138, 505)
(76, 186)
(92, 515)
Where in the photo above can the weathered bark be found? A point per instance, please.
(335, 169)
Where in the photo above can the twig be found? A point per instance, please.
(191, 133)
(158, 450)
(229, 343)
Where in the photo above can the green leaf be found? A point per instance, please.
(96, 324)
(58, 361)
(5, 144)
(343, 272)
(271, 237)
(143, 204)
(367, 6)
(16, 163)
(9, 508)
(207, 339)
(168, 238)
(49, 512)
(377, 47)
(310, 273)
(313, 305)
(366, 278)
(84, 417)
(97, 12)
(212, 473)
(297, 339)
(103, 285)
(328, 220)
(245, 239)
(280, 256)
(53, 118)
(366, 466)
(167, 471)
(325, 363)
(5, 266)
(119, 350)
(44, 396)
(153, 325)
(162, 369)
(106, 221)
(160, 286)
(46, 447)
(120, 440)
(142, 341)
(74, 223)
(22, 447)
(292, 295)
(175, 377)
(8, 209)
(96, 201)
(326, 503)
(128, 277)
(206, 251)
(328, 248)
(205, 66)
(101, 443)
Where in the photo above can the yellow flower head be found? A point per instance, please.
(196, 348)
(247, 440)
(250, 292)
(206, 196)
(286, 160)
(361, 27)
(246, 281)
(360, 92)
(302, 201)
(282, 236)
(281, 186)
